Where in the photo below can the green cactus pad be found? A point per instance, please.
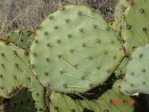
(15, 71)
(135, 30)
(22, 101)
(74, 50)
(121, 69)
(14, 68)
(63, 103)
(38, 94)
(111, 101)
(137, 74)
(121, 6)
(21, 38)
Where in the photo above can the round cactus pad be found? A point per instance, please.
(74, 50)
(137, 76)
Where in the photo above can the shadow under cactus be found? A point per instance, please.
(142, 103)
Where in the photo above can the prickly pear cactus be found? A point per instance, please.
(76, 47)
(111, 101)
(15, 71)
(21, 101)
(14, 68)
(121, 70)
(137, 78)
(135, 29)
(21, 38)
(38, 94)
(121, 6)
(63, 103)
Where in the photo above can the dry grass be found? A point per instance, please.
(28, 14)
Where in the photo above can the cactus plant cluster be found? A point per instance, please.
(73, 52)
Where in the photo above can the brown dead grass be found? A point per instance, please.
(28, 14)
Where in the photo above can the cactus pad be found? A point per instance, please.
(74, 50)
(21, 38)
(38, 94)
(121, 70)
(14, 68)
(63, 103)
(121, 6)
(137, 74)
(135, 31)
